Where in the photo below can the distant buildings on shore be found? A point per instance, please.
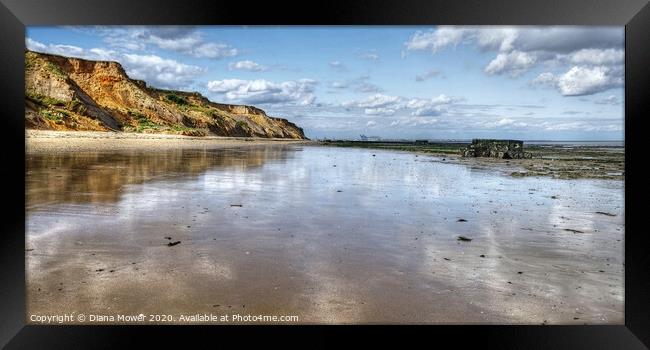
(369, 138)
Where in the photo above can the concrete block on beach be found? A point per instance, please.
(504, 149)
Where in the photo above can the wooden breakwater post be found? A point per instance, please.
(504, 149)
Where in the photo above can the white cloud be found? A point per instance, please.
(35, 45)
(182, 39)
(561, 39)
(430, 107)
(487, 38)
(103, 54)
(578, 126)
(213, 50)
(379, 111)
(438, 39)
(174, 43)
(299, 92)
(586, 81)
(125, 43)
(503, 123)
(159, 71)
(192, 44)
(582, 80)
(371, 123)
(520, 49)
(56, 49)
(545, 79)
(597, 56)
(565, 39)
(386, 105)
(375, 101)
(247, 65)
(67, 50)
(496, 38)
(513, 63)
(413, 121)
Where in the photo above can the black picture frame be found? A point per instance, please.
(15, 15)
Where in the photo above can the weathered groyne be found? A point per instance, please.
(504, 149)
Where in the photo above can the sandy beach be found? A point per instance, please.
(55, 141)
(328, 234)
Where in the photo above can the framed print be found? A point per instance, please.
(189, 168)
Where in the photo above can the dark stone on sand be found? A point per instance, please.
(168, 238)
(171, 244)
(461, 220)
(604, 213)
(99, 270)
(464, 239)
(447, 259)
(519, 272)
(236, 205)
(482, 256)
(572, 230)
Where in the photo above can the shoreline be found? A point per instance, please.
(37, 141)
(585, 162)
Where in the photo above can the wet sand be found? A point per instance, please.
(332, 235)
(573, 160)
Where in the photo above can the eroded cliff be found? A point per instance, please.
(64, 93)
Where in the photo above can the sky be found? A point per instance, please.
(395, 82)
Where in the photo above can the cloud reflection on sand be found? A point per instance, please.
(333, 235)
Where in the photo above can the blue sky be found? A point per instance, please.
(446, 82)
